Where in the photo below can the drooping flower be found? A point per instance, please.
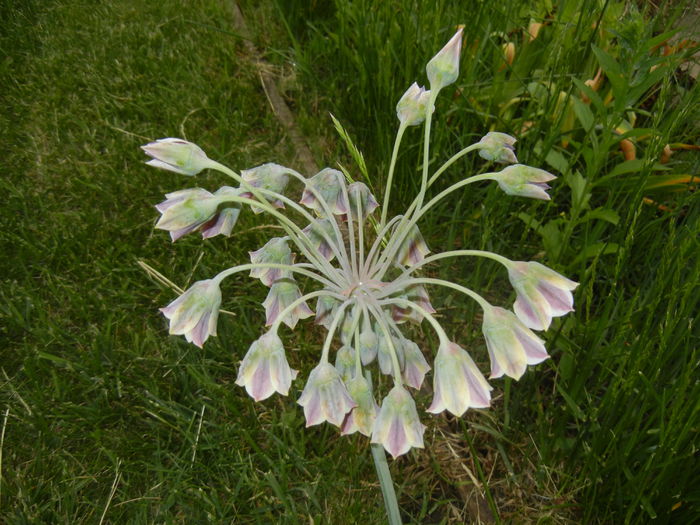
(412, 105)
(384, 350)
(325, 397)
(358, 192)
(326, 306)
(511, 345)
(270, 176)
(457, 382)
(185, 211)
(265, 369)
(498, 147)
(524, 181)
(542, 293)
(397, 426)
(315, 232)
(281, 295)
(419, 295)
(275, 251)
(369, 343)
(176, 155)
(443, 68)
(345, 362)
(413, 248)
(362, 417)
(225, 219)
(195, 312)
(415, 366)
(328, 184)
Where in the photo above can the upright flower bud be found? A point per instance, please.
(542, 293)
(397, 426)
(328, 184)
(443, 68)
(195, 312)
(457, 382)
(413, 249)
(270, 176)
(369, 342)
(524, 181)
(281, 295)
(498, 147)
(325, 397)
(358, 192)
(176, 155)
(412, 106)
(275, 251)
(362, 417)
(511, 345)
(264, 369)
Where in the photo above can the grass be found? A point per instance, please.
(106, 419)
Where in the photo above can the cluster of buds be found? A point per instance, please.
(369, 287)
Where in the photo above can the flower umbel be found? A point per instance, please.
(364, 270)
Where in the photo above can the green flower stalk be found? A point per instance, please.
(363, 274)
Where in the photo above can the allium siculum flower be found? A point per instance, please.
(457, 382)
(281, 295)
(511, 345)
(177, 155)
(443, 68)
(524, 181)
(367, 278)
(412, 106)
(542, 293)
(325, 397)
(265, 369)
(498, 147)
(361, 418)
(397, 426)
(328, 184)
(194, 314)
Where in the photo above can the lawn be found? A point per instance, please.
(105, 418)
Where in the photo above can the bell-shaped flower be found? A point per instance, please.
(419, 295)
(498, 147)
(326, 307)
(511, 345)
(176, 155)
(345, 362)
(443, 68)
(281, 295)
(384, 352)
(362, 417)
(185, 211)
(397, 426)
(542, 293)
(415, 366)
(325, 397)
(195, 312)
(225, 219)
(265, 369)
(270, 176)
(275, 251)
(457, 382)
(413, 248)
(328, 185)
(524, 181)
(413, 105)
(358, 193)
(369, 343)
(319, 233)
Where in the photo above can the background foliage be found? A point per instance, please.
(106, 419)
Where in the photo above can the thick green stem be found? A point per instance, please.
(386, 484)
